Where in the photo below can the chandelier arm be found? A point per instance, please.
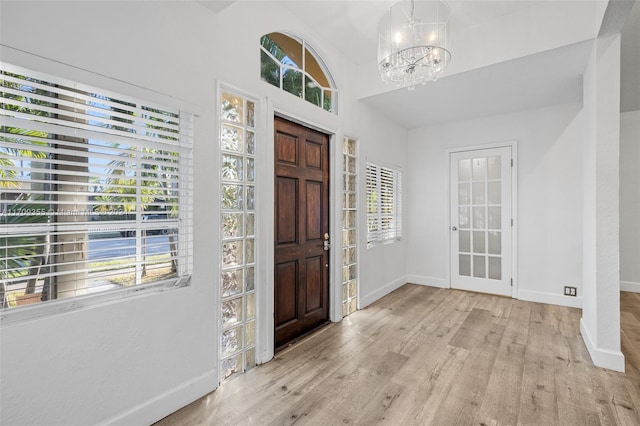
(419, 59)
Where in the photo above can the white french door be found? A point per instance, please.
(481, 220)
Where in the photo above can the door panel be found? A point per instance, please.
(286, 208)
(314, 284)
(313, 154)
(313, 213)
(286, 149)
(301, 221)
(481, 220)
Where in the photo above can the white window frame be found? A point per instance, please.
(383, 228)
(183, 223)
(305, 74)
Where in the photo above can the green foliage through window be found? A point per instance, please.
(289, 64)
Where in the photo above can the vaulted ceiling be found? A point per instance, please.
(535, 79)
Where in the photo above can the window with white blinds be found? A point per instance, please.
(95, 190)
(384, 205)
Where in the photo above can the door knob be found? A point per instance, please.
(453, 228)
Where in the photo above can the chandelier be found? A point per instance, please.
(412, 43)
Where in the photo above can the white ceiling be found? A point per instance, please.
(544, 79)
(216, 5)
(351, 25)
(549, 78)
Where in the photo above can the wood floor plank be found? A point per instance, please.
(427, 356)
(538, 404)
(422, 401)
(467, 394)
(502, 397)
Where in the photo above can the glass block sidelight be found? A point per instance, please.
(237, 250)
(349, 228)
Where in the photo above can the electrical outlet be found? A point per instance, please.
(570, 291)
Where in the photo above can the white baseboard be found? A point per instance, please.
(630, 286)
(605, 358)
(368, 299)
(428, 281)
(160, 407)
(550, 298)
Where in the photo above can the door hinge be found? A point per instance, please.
(511, 282)
(512, 162)
(511, 222)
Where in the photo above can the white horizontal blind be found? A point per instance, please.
(96, 190)
(384, 204)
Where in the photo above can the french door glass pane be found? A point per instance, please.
(479, 270)
(478, 218)
(495, 217)
(494, 193)
(478, 241)
(495, 242)
(479, 168)
(463, 217)
(478, 192)
(495, 268)
(464, 170)
(464, 241)
(464, 194)
(495, 167)
(464, 262)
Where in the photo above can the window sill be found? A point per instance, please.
(41, 310)
(383, 243)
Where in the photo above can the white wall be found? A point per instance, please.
(630, 201)
(141, 358)
(549, 205)
(382, 268)
(137, 360)
(600, 323)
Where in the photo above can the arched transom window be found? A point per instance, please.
(289, 63)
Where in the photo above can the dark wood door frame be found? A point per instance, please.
(301, 220)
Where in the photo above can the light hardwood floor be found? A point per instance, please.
(423, 356)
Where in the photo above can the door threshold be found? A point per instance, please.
(300, 339)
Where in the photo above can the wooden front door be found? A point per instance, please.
(301, 222)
